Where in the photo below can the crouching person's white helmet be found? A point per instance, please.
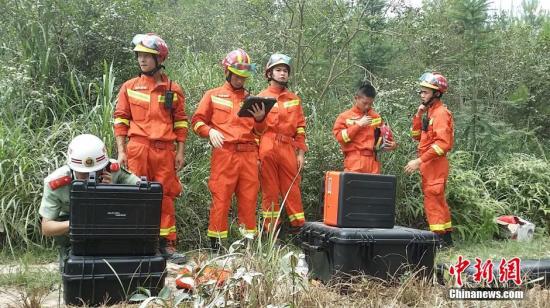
(87, 153)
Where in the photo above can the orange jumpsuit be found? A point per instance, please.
(152, 129)
(434, 144)
(234, 166)
(285, 133)
(357, 142)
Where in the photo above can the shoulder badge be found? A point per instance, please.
(114, 167)
(60, 182)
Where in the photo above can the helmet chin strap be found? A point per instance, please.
(432, 99)
(281, 83)
(153, 71)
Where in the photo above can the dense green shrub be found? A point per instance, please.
(522, 181)
(54, 84)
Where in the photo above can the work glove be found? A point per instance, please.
(216, 138)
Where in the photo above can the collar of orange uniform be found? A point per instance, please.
(436, 104)
(227, 86)
(276, 89)
(150, 81)
(356, 110)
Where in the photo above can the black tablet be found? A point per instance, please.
(256, 100)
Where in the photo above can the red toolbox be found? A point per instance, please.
(333, 253)
(359, 200)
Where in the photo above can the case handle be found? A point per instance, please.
(91, 181)
(309, 247)
(143, 183)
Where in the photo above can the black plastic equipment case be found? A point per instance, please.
(339, 253)
(107, 219)
(109, 280)
(358, 200)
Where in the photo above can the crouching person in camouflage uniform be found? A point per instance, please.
(86, 153)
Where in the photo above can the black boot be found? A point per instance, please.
(215, 244)
(295, 230)
(295, 235)
(446, 240)
(170, 253)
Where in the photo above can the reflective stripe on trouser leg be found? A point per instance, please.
(162, 163)
(168, 219)
(270, 191)
(288, 168)
(434, 178)
(436, 208)
(222, 183)
(160, 168)
(247, 190)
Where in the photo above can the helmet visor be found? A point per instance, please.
(242, 69)
(429, 78)
(147, 41)
(280, 59)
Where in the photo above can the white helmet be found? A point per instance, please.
(87, 153)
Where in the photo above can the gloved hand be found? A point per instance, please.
(216, 138)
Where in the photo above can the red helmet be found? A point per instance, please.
(151, 43)
(434, 80)
(386, 133)
(238, 62)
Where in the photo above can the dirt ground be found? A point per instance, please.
(13, 297)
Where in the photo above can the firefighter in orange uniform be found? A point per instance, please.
(361, 133)
(282, 148)
(150, 113)
(234, 160)
(433, 126)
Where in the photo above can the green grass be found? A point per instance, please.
(34, 255)
(30, 278)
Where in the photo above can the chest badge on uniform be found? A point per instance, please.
(140, 88)
(223, 95)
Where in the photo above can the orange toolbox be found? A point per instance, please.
(359, 200)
